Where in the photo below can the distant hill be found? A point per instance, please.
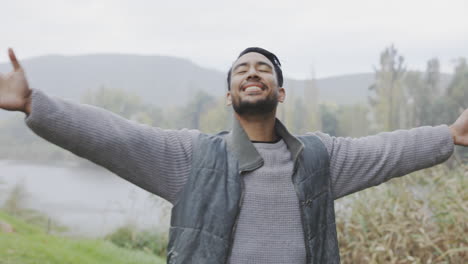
(158, 79)
(162, 80)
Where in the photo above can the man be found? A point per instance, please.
(254, 195)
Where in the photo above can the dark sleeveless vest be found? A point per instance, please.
(204, 217)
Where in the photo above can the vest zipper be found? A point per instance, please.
(239, 205)
(306, 242)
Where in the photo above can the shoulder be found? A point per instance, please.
(324, 138)
(201, 139)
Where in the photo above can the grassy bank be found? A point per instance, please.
(29, 244)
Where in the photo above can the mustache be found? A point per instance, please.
(249, 84)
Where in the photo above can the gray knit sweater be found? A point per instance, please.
(269, 228)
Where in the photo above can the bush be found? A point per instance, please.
(147, 240)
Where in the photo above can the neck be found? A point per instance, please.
(259, 128)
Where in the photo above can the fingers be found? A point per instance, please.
(14, 61)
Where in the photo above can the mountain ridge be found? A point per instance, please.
(163, 80)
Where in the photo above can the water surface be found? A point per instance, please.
(90, 201)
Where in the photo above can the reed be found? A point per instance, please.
(420, 218)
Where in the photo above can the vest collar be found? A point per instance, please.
(246, 153)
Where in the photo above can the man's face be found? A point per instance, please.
(254, 86)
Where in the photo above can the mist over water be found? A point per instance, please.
(90, 202)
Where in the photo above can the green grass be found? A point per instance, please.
(29, 245)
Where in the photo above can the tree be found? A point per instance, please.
(352, 120)
(288, 109)
(422, 91)
(124, 104)
(312, 114)
(458, 88)
(114, 100)
(457, 99)
(329, 117)
(216, 118)
(199, 103)
(300, 120)
(388, 99)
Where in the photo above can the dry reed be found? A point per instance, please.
(420, 218)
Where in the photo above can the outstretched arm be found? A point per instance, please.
(155, 159)
(359, 163)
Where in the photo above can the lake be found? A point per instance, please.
(90, 201)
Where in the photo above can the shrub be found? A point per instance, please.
(147, 240)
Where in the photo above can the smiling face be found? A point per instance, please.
(254, 86)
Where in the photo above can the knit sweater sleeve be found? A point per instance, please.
(155, 159)
(359, 163)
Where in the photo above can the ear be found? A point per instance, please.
(228, 98)
(281, 94)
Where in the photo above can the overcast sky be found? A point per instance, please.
(328, 36)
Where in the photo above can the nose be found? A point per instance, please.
(252, 73)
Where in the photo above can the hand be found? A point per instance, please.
(460, 129)
(15, 94)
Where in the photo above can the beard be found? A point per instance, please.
(258, 108)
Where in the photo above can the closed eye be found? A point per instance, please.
(263, 67)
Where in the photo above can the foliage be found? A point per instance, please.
(457, 89)
(454, 101)
(299, 117)
(422, 90)
(114, 100)
(124, 104)
(388, 96)
(301, 113)
(216, 118)
(421, 218)
(352, 120)
(191, 114)
(30, 245)
(311, 117)
(329, 115)
(406, 99)
(196, 107)
(129, 237)
(344, 120)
